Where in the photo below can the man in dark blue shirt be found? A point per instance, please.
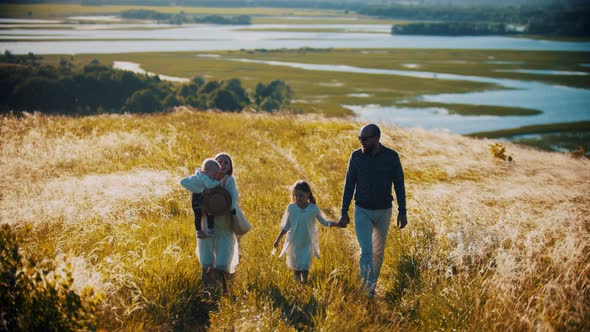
(372, 170)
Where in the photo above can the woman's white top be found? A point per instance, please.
(222, 251)
(302, 243)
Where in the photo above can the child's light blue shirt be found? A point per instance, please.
(198, 182)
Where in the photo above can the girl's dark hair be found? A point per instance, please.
(304, 186)
(231, 163)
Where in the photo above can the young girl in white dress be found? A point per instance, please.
(299, 224)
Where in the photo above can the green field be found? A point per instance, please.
(65, 10)
(260, 15)
(324, 92)
(314, 91)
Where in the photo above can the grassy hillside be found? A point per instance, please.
(490, 245)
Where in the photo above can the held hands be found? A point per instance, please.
(343, 222)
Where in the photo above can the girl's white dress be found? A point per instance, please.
(302, 241)
(222, 251)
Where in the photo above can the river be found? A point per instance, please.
(126, 38)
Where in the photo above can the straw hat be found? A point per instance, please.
(216, 201)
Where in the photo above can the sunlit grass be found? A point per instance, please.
(491, 245)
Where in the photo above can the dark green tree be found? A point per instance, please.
(225, 100)
(143, 101)
(275, 95)
(235, 87)
(209, 87)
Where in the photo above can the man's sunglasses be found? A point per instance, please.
(364, 138)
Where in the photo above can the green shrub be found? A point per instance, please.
(273, 96)
(37, 297)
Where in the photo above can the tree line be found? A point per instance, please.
(512, 14)
(182, 17)
(26, 84)
(558, 21)
(452, 29)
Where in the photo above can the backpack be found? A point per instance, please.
(216, 201)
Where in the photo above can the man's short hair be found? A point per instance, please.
(374, 129)
(210, 164)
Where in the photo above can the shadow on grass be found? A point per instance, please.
(188, 306)
(407, 278)
(298, 315)
(193, 315)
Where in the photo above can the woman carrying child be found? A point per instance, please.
(219, 255)
(299, 224)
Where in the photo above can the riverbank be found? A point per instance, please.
(563, 137)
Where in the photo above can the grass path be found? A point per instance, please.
(490, 245)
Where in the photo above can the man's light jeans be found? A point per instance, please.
(371, 231)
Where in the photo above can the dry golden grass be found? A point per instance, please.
(490, 245)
